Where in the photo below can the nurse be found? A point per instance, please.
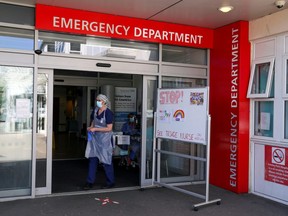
(99, 146)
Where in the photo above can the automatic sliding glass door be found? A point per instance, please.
(149, 107)
(44, 137)
(16, 106)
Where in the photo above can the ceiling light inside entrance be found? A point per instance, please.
(225, 9)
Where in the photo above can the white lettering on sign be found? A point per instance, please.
(167, 35)
(124, 30)
(234, 108)
(84, 25)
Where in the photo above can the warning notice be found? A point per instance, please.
(276, 164)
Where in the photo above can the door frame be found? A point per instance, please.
(89, 105)
(49, 145)
(146, 182)
(48, 189)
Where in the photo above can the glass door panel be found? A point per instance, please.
(91, 95)
(44, 136)
(16, 106)
(149, 107)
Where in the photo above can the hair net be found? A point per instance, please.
(104, 98)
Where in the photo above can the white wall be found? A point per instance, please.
(269, 25)
(269, 36)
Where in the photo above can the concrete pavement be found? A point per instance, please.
(152, 201)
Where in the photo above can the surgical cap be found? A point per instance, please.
(104, 98)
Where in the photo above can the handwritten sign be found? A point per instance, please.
(182, 114)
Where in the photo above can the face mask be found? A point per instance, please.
(99, 104)
(131, 119)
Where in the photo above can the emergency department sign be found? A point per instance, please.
(182, 114)
(68, 20)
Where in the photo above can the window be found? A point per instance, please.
(24, 15)
(286, 121)
(180, 82)
(20, 39)
(260, 83)
(98, 47)
(286, 100)
(186, 55)
(286, 74)
(16, 107)
(263, 118)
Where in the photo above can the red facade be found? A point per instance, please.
(229, 107)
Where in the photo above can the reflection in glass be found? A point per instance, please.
(172, 166)
(186, 55)
(179, 82)
(16, 105)
(271, 94)
(98, 47)
(287, 76)
(263, 122)
(24, 15)
(260, 78)
(20, 39)
(41, 132)
(151, 108)
(286, 120)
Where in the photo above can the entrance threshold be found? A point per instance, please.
(98, 191)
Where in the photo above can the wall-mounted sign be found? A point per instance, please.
(125, 103)
(276, 164)
(90, 23)
(23, 108)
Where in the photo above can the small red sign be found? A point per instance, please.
(276, 164)
(91, 23)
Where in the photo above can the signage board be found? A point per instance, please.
(125, 103)
(58, 19)
(276, 164)
(182, 114)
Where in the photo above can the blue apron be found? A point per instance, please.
(100, 145)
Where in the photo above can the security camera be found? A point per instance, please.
(280, 3)
(38, 51)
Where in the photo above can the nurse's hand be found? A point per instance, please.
(93, 129)
(89, 129)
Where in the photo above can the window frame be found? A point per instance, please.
(98, 47)
(268, 88)
(285, 80)
(284, 98)
(284, 120)
(25, 38)
(253, 128)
